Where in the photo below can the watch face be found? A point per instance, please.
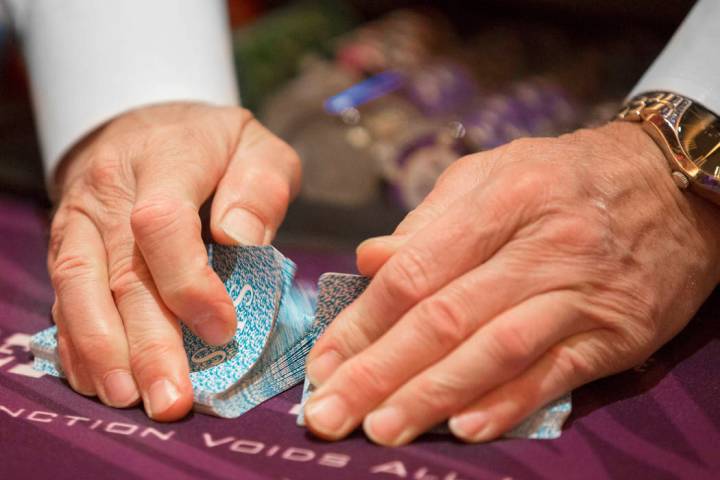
(699, 133)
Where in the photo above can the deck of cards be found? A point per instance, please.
(279, 321)
(267, 355)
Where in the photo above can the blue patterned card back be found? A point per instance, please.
(255, 278)
(335, 292)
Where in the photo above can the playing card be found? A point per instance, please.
(335, 292)
(276, 369)
(255, 278)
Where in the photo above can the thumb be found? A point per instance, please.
(253, 195)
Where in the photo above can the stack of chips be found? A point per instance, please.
(529, 108)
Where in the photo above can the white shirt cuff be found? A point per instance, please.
(689, 64)
(92, 60)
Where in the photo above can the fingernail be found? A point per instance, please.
(320, 369)
(388, 426)
(328, 415)
(160, 396)
(268, 238)
(469, 426)
(120, 389)
(213, 330)
(391, 241)
(243, 227)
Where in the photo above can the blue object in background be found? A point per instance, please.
(363, 92)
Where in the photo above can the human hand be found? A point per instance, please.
(528, 271)
(126, 256)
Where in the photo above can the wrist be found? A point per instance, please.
(698, 215)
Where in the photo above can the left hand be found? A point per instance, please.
(529, 270)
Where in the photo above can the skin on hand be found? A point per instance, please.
(528, 271)
(126, 256)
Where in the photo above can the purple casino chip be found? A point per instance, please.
(441, 88)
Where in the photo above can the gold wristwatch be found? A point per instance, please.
(687, 133)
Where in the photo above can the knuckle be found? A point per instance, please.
(523, 144)
(458, 167)
(70, 269)
(164, 139)
(188, 287)
(349, 338)
(88, 347)
(570, 365)
(55, 311)
(461, 164)
(127, 279)
(444, 320)
(289, 155)
(153, 217)
(509, 347)
(582, 232)
(147, 354)
(276, 190)
(407, 276)
(108, 174)
(368, 378)
(105, 168)
(439, 394)
(530, 184)
(420, 215)
(468, 170)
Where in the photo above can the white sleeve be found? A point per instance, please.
(690, 64)
(91, 60)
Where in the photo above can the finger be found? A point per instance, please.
(157, 356)
(91, 326)
(457, 180)
(396, 421)
(496, 353)
(432, 328)
(374, 252)
(167, 229)
(473, 229)
(253, 195)
(562, 369)
(75, 373)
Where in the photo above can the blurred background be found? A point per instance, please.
(379, 97)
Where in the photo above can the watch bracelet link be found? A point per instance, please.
(640, 107)
(669, 106)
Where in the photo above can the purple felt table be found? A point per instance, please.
(658, 421)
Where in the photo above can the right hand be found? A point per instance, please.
(126, 256)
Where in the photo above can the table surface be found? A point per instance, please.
(661, 420)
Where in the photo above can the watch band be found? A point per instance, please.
(669, 105)
(659, 112)
(663, 117)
